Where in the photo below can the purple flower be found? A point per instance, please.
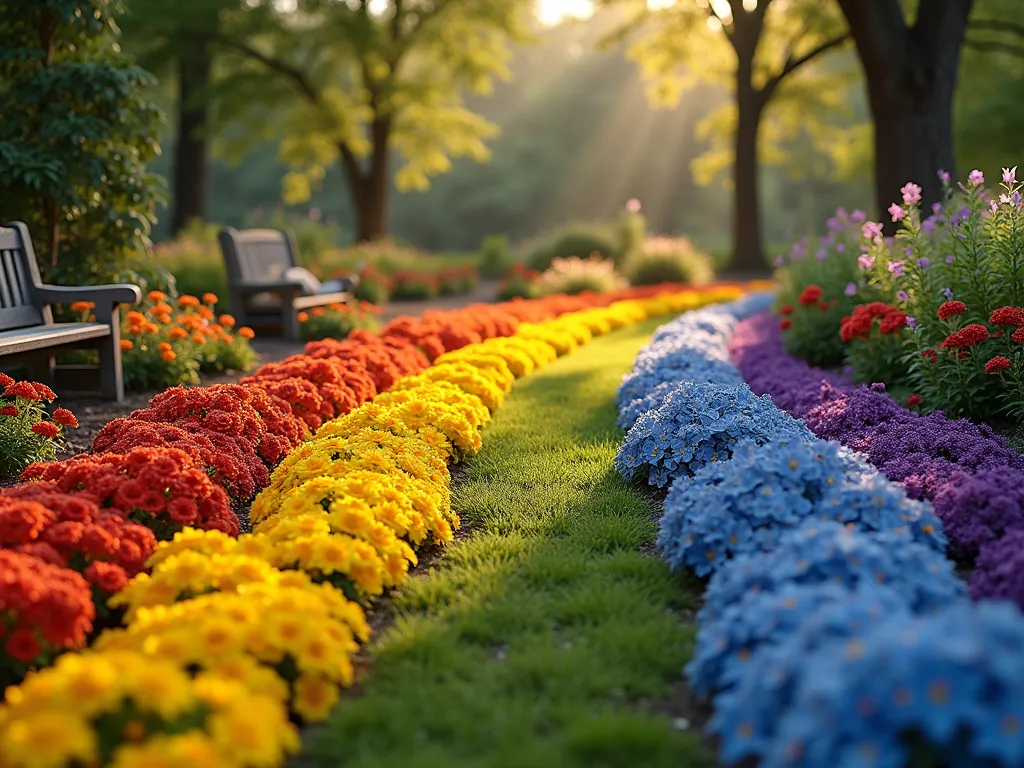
(822, 254)
(947, 292)
(840, 248)
(896, 211)
(950, 259)
(999, 571)
(778, 261)
(909, 251)
(944, 176)
(936, 209)
(1010, 176)
(871, 230)
(865, 262)
(912, 321)
(928, 225)
(911, 193)
(858, 216)
(851, 289)
(896, 267)
(976, 177)
(902, 296)
(923, 262)
(831, 223)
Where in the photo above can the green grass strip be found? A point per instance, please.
(539, 638)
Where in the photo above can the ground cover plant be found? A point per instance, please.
(332, 527)
(536, 636)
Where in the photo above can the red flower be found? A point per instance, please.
(997, 335)
(106, 577)
(823, 305)
(46, 429)
(892, 321)
(5, 380)
(9, 410)
(950, 309)
(22, 389)
(914, 400)
(968, 336)
(785, 324)
(1018, 335)
(1007, 316)
(22, 646)
(809, 295)
(786, 309)
(997, 364)
(65, 417)
(44, 392)
(930, 355)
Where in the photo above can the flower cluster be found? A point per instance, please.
(967, 470)
(336, 321)
(833, 626)
(27, 432)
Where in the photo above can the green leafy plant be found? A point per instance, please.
(519, 282)
(373, 287)
(457, 281)
(414, 286)
(77, 133)
(338, 320)
(495, 255)
(575, 275)
(579, 240)
(669, 260)
(27, 433)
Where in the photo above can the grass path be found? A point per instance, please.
(539, 637)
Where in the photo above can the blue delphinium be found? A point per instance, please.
(767, 637)
(687, 365)
(945, 689)
(821, 551)
(744, 505)
(698, 424)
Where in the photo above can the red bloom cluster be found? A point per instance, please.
(785, 324)
(341, 385)
(809, 295)
(1018, 336)
(914, 400)
(998, 363)
(1007, 316)
(159, 487)
(968, 336)
(386, 359)
(930, 355)
(303, 396)
(860, 322)
(786, 309)
(43, 607)
(950, 309)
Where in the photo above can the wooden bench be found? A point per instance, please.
(261, 293)
(26, 321)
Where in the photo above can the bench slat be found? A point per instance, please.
(46, 336)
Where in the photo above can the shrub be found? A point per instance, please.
(698, 424)
(374, 287)
(337, 321)
(27, 433)
(574, 275)
(519, 282)
(495, 255)
(576, 240)
(669, 260)
(193, 258)
(456, 281)
(414, 285)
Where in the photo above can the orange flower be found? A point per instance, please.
(82, 306)
(228, 338)
(227, 321)
(198, 338)
(246, 332)
(165, 346)
(337, 306)
(178, 333)
(135, 329)
(206, 313)
(150, 327)
(126, 344)
(188, 301)
(136, 318)
(168, 356)
(319, 312)
(165, 319)
(210, 298)
(162, 309)
(157, 295)
(303, 317)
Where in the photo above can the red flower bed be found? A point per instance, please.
(159, 487)
(386, 360)
(342, 385)
(302, 396)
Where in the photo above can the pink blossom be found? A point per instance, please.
(871, 230)
(897, 212)
(944, 176)
(1010, 175)
(976, 177)
(633, 205)
(911, 194)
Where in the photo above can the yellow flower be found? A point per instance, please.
(314, 698)
(255, 732)
(52, 738)
(193, 749)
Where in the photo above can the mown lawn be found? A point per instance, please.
(542, 638)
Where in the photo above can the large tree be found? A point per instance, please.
(76, 132)
(910, 62)
(754, 48)
(358, 82)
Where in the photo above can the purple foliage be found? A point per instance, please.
(974, 479)
(1000, 570)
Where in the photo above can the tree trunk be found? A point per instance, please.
(747, 248)
(191, 158)
(370, 190)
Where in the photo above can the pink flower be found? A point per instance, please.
(944, 176)
(633, 205)
(871, 230)
(896, 211)
(1010, 175)
(976, 177)
(911, 194)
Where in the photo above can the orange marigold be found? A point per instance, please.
(210, 298)
(168, 356)
(246, 332)
(126, 344)
(188, 301)
(227, 321)
(82, 306)
(157, 295)
(178, 333)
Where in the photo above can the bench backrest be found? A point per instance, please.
(19, 276)
(256, 255)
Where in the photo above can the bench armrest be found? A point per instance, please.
(269, 286)
(99, 294)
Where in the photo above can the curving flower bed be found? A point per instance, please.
(970, 474)
(834, 629)
(265, 623)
